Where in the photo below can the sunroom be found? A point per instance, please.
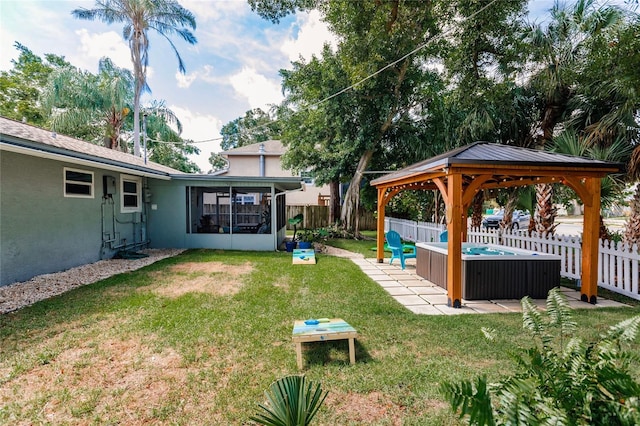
(220, 212)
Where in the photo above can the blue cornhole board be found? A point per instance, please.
(304, 257)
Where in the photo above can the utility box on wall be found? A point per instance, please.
(108, 186)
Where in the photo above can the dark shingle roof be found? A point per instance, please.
(484, 153)
(34, 138)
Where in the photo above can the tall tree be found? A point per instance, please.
(256, 126)
(166, 17)
(315, 129)
(89, 106)
(559, 51)
(163, 142)
(612, 186)
(20, 87)
(373, 38)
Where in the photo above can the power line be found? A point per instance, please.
(370, 76)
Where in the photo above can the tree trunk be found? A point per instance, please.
(632, 228)
(476, 215)
(349, 214)
(136, 120)
(334, 202)
(136, 45)
(545, 214)
(605, 235)
(509, 207)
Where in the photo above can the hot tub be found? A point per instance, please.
(492, 271)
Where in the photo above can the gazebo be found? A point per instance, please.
(459, 174)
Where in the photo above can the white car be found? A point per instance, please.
(520, 220)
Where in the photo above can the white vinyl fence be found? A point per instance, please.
(618, 263)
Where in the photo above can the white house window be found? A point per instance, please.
(307, 177)
(78, 183)
(245, 199)
(131, 190)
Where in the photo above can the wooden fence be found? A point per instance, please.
(618, 263)
(318, 217)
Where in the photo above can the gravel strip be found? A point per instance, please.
(21, 294)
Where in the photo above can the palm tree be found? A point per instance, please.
(611, 191)
(89, 106)
(558, 52)
(608, 108)
(166, 17)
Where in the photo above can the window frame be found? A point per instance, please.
(66, 181)
(307, 177)
(138, 181)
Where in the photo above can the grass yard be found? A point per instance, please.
(198, 338)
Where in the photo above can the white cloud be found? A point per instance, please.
(185, 80)
(206, 74)
(311, 36)
(256, 88)
(206, 10)
(200, 127)
(94, 46)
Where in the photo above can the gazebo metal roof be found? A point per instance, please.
(460, 173)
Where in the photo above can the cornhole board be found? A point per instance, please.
(304, 257)
(321, 331)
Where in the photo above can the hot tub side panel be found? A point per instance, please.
(432, 266)
(493, 279)
(485, 279)
(509, 279)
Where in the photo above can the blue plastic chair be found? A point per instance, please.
(444, 236)
(394, 242)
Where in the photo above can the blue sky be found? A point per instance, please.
(233, 67)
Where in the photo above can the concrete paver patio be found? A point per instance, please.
(425, 298)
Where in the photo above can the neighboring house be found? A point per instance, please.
(264, 159)
(65, 203)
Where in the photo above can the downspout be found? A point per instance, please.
(274, 213)
(261, 152)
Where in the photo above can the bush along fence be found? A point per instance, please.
(618, 263)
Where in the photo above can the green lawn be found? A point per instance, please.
(196, 339)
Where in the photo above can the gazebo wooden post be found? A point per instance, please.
(380, 225)
(590, 237)
(454, 218)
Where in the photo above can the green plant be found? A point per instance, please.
(292, 402)
(311, 235)
(295, 221)
(307, 236)
(564, 380)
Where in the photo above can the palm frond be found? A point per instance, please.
(559, 313)
(291, 401)
(471, 399)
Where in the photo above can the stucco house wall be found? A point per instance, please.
(45, 227)
(42, 230)
(54, 213)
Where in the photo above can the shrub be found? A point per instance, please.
(564, 381)
(292, 402)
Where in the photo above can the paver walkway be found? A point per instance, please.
(423, 297)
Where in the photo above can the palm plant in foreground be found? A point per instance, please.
(166, 17)
(564, 381)
(292, 402)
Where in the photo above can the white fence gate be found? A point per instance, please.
(618, 263)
